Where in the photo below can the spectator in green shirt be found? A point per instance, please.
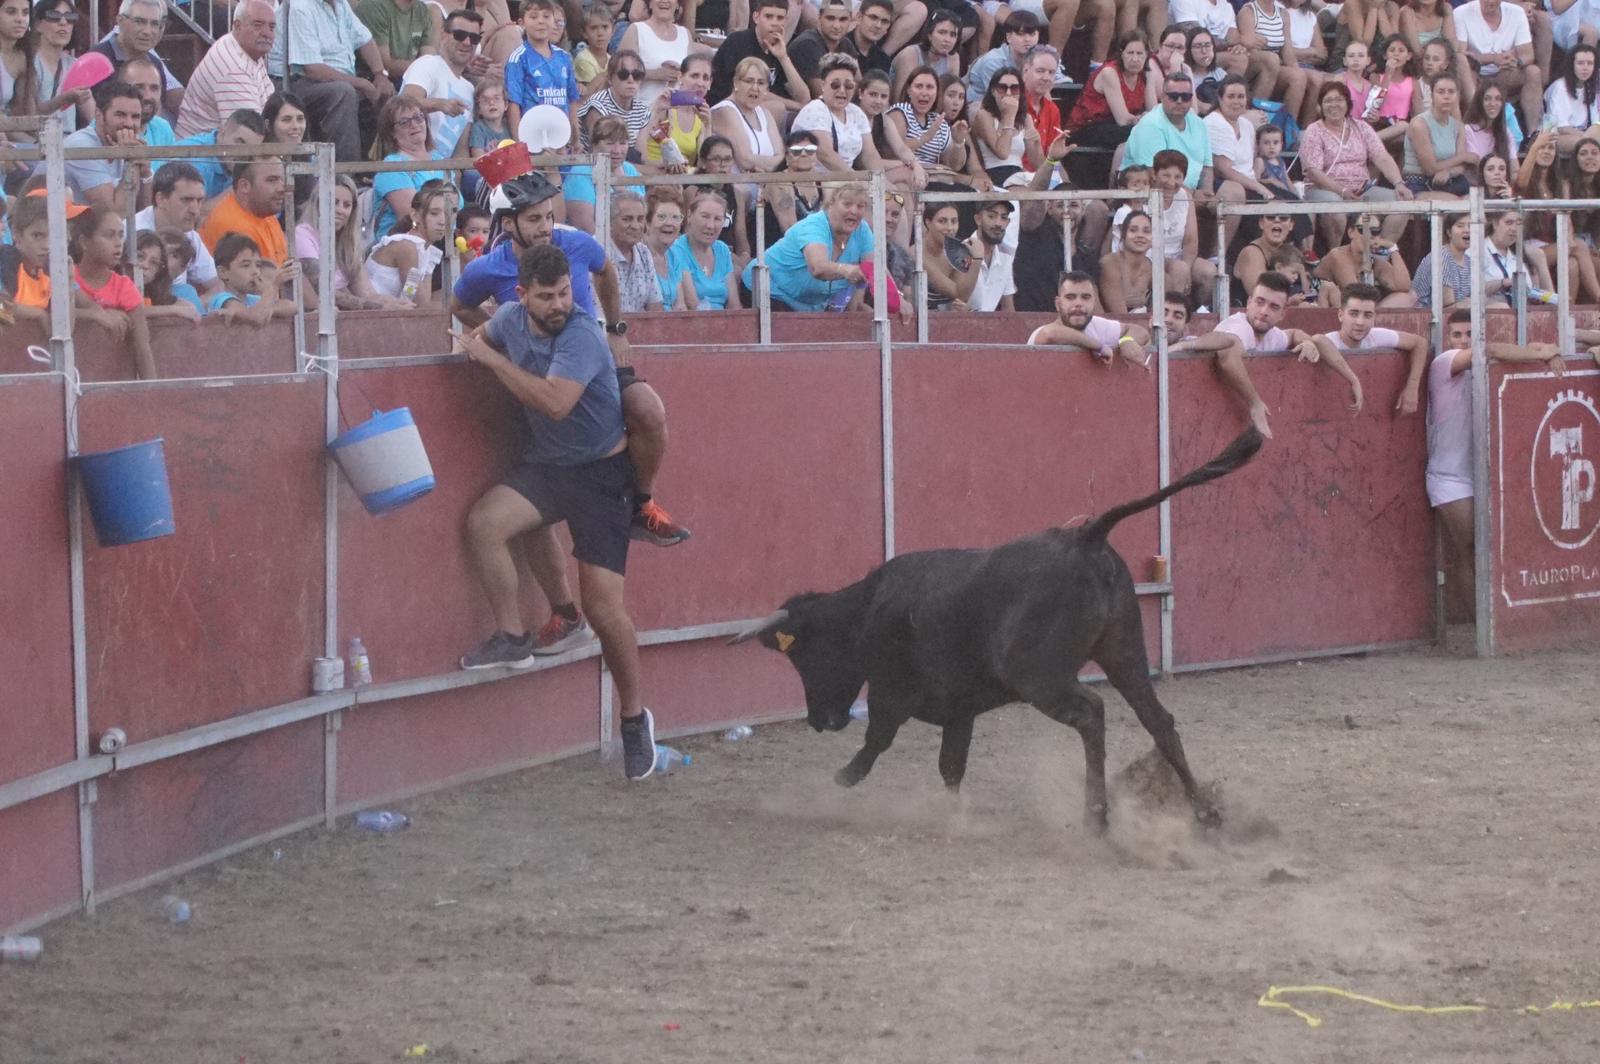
(402, 30)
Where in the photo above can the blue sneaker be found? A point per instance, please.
(639, 745)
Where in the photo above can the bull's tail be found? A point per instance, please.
(1236, 454)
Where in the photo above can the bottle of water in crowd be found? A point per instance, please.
(738, 734)
(669, 759)
(381, 821)
(175, 909)
(20, 948)
(360, 666)
(1541, 295)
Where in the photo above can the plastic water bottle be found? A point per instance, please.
(859, 711)
(669, 759)
(175, 909)
(1541, 295)
(20, 948)
(360, 666)
(381, 821)
(738, 734)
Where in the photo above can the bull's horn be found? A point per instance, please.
(766, 624)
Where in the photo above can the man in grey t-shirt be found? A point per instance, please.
(554, 360)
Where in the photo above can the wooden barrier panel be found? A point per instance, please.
(225, 615)
(693, 687)
(1545, 553)
(1324, 541)
(39, 859)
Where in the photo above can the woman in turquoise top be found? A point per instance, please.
(663, 224)
(702, 265)
(1437, 160)
(403, 134)
(818, 258)
(608, 136)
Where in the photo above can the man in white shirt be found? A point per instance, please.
(1256, 326)
(1358, 331)
(1076, 325)
(233, 75)
(440, 80)
(178, 196)
(1497, 40)
(994, 256)
(1229, 352)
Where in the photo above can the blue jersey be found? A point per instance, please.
(495, 274)
(532, 79)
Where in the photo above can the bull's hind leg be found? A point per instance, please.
(881, 729)
(1133, 682)
(1080, 708)
(953, 749)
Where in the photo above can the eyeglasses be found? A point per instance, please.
(802, 149)
(1180, 97)
(411, 120)
(147, 23)
(1008, 89)
(466, 36)
(629, 74)
(69, 17)
(841, 86)
(717, 160)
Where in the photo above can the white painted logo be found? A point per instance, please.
(1563, 475)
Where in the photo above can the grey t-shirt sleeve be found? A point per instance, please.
(581, 354)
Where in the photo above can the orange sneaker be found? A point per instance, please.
(559, 634)
(654, 525)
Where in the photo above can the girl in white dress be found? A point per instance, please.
(402, 263)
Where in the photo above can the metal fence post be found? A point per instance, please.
(328, 361)
(880, 312)
(761, 291)
(1520, 287)
(1483, 526)
(1436, 276)
(1220, 306)
(1158, 334)
(919, 279)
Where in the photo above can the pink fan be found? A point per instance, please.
(894, 289)
(89, 71)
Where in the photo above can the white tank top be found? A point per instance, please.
(990, 160)
(655, 51)
(387, 280)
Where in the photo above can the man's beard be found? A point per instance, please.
(1076, 319)
(553, 324)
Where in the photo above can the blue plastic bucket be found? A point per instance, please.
(129, 497)
(384, 460)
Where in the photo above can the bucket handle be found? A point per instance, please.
(320, 363)
(71, 376)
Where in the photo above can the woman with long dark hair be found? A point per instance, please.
(1486, 124)
(1007, 141)
(17, 93)
(54, 22)
(936, 49)
(1569, 102)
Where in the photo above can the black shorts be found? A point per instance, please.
(627, 377)
(594, 499)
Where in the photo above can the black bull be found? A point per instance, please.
(943, 635)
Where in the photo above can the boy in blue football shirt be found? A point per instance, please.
(539, 71)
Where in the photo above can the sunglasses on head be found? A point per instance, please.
(1180, 97)
(466, 36)
(630, 74)
(899, 199)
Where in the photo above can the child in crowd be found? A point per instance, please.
(1357, 67)
(402, 263)
(25, 262)
(490, 124)
(180, 254)
(472, 232)
(244, 276)
(1437, 57)
(1135, 178)
(151, 254)
(1271, 170)
(595, 51)
(1395, 95)
(113, 301)
(1304, 290)
(540, 72)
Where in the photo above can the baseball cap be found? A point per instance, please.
(73, 209)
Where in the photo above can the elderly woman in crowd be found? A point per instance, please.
(743, 118)
(817, 264)
(844, 133)
(1337, 154)
(700, 263)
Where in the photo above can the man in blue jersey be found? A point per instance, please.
(525, 211)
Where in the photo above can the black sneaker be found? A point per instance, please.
(639, 745)
(502, 650)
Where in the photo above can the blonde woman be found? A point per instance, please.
(352, 289)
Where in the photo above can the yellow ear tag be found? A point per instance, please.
(785, 641)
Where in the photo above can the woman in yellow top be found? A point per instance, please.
(684, 124)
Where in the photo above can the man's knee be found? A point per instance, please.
(914, 9)
(1231, 191)
(1532, 74)
(643, 411)
(499, 515)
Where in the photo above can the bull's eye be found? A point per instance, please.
(784, 641)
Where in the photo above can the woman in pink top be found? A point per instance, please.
(1486, 125)
(1397, 97)
(1335, 153)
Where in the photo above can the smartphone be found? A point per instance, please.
(685, 98)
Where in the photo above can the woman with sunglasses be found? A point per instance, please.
(787, 202)
(745, 120)
(619, 99)
(844, 134)
(1116, 97)
(403, 134)
(54, 22)
(1007, 141)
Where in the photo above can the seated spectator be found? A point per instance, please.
(401, 265)
(844, 135)
(1257, 328)
(663, 225)
(1575, 22)
(1021, 36)
(178, 199)
(402, 30)
(25, 262)
(701, 264)
(993, 257)
(1233, 151)
(1118, 95)
(1439, 57)
(140, 26)
(113, 300)
(1039, 76)
(1041, 241)
(1310, 53)
(1500, 262)
(245, 276)
(1359, 331)
(18, 95)
(1570, 100)
(817, 263)
(744, 119)
(107, 182)
(159, 300)
(286, 118)
(1497, 42)
(619, 99)
(683, 124)
(1187, 272)
(1229, 353)
(716, 157)
(1456, 268)
(806, 49)
(1230, 53)
(946, 262)
(1077, 325)
(662, 44)
(786, 203)
(1125, 274)
(539, 72)
(54, 23)
(937, 51)
(180, 259)
(1538, 179)
(1007, 142)
(918, 126)
(145, 77)
(1494, 177)
(490, 123)
(439, 81)
(636, 274)
(867, 40)
(1336, 152)
(403, 134)
(1422, 21)
(324, 39)
(352, 288)
(241, 127)
(1396, 95)
(901, 165)
(1488, 131)
(764, 41)
(610, 138)
(251, 208)
(232, 76)
(474, 226)
(1174, 125)
(1255, 258)
(953, 108)
(1203, 68)
(1365, 250)
(1304, 289)
(593, 53)
(1436, 157)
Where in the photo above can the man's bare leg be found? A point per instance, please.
(619, 646)
(909, 16)
(495, 519)
(548, 564)
(1062, 14)
(1460, 579)
(645, 417)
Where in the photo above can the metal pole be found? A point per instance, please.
(1436, 276)
(880, 254)
(328, 354)
(919, 280)
(1483, 526)
(1066, 238)
(760, 292)
(1519, 301)
(880, 286)
(283, 35)
(1220, 306)
(64, 353)
(602, 200)
(1158, 330)
(1564, 282)
(297, 290)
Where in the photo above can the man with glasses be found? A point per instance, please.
(1022, 36)
(439, 82)
(322, 40)
(402, 30)
(764, 40)
(140, 26)
(865, 41)
(1174, 125)
(233, 76)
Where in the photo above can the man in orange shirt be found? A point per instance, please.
(251, 209)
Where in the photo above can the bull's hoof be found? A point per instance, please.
(1208, 817)
(1096, 820)
(849, 776)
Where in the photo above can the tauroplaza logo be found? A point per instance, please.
(1563, 473)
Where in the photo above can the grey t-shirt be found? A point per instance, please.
(578, 353)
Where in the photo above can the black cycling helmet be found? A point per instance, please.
(513, 194)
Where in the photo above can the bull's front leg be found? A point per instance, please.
(953, 751)
(881, 729)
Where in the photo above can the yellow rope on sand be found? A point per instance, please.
(1273, 999)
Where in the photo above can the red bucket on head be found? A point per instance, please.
(503, 164)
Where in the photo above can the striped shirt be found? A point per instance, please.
(227, 80)
(1269, 27)
(930, 153)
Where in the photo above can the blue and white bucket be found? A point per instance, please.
(384, 460)
(130, 499)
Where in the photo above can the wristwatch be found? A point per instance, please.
(617, 328)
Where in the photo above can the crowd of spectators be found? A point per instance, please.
(1206, 101)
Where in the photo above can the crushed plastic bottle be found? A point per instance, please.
(1541, 295)
(20, 948)
(738, 733)
(382, 821)
(669, 759)
(859, 711)
(175, 909)
(360, 664)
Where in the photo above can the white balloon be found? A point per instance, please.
(544, 128)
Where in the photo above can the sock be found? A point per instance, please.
(568, 612)
(639, 500)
